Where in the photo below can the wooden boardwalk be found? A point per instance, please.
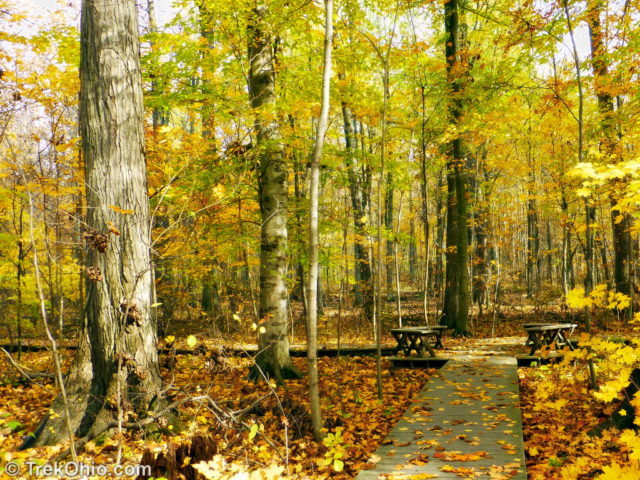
(464, 424)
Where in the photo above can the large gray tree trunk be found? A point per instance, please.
(273, 343)
(456, 305)
(119, 335)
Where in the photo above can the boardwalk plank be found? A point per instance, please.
(466, 417)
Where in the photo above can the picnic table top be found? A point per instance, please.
(421, 327)
(551, 326)
(425, 330)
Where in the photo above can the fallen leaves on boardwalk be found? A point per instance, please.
(453, 456)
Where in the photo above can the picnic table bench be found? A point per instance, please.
(540, 334)
(418, 339)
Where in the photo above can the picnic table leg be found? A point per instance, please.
(439, 340)
(428, 345)
(398, 347)
(403, 344)
(529, 340)
(536, 342)
(414, 341)
(566, 340)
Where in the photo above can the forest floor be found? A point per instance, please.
(556, 440)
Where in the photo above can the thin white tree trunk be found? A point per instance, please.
(312, 286)
(397, 264)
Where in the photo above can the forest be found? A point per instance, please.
(320, 239)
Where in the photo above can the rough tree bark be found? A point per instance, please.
(439, 243)
(116, 362)
(456, 306)
(620, 221)
(359, 176)
(273, 358)
(481, 230)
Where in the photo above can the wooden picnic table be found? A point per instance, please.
(527, 326)
(547, 334)
(418, 339)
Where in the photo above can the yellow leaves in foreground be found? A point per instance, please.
(610, 390)
(599, 297)
(219, 469)
(576, 298)
(335, 450)
(616, 472)
(616, 453)
(632, 441)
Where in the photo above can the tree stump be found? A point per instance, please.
(171, 465)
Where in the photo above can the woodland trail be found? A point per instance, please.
(465, 423)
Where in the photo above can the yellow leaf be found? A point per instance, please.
(191, 341)
(583, 192)
(576, 298)
(122, 211)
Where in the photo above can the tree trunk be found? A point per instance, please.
(438, 277)
(450, 307)
(620, 221)
(412, 256)
(549, 254)
(388, 225)
(117, 351)
(299, 193)
(206, 19)
(567, 266)
(424, 197)
(533, 236)
(359, 177)
(481, 226)
(590, 211)
(457, 284)
(160, 115)
(273, 344)
(19, 274)
(314, 194)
